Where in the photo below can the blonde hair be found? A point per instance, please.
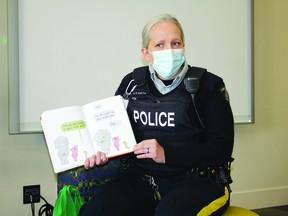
(153, 21)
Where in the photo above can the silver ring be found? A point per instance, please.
(147, 150)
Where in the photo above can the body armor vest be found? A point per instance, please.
(166, 119)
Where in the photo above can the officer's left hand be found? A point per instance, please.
(150, 149)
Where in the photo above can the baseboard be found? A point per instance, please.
(260, 198)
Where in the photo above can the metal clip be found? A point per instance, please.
(154, 186)
(127, 93)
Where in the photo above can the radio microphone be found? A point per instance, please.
(191, 84)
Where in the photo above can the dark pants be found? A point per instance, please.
(130, 195)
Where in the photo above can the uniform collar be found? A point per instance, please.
(161, 86)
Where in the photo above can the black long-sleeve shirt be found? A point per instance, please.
(216, 144)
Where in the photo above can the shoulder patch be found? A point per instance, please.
(223, 91)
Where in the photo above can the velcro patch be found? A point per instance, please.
(223, 91)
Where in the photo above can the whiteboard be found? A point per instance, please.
(71, 52)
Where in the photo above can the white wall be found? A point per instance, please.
(260, 169)
(24, 159)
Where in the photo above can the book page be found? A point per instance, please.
(109, 126)
(67, 137)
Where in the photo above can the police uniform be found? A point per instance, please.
(197, 139)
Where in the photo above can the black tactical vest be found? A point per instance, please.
(166, 119)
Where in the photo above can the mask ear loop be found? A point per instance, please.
(127, 93)
(149, 51)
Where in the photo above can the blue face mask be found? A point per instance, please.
(168, 62)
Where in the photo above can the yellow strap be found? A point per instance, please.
(215, 205)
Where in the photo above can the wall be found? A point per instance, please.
(260, 169)
(24, 159)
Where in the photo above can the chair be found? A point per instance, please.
(238, 211)
(90, 181)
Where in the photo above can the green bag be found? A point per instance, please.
(68, 202)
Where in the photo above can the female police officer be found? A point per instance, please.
(184, 127)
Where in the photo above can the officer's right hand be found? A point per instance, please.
(95, 160)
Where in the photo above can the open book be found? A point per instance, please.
(74, 133)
